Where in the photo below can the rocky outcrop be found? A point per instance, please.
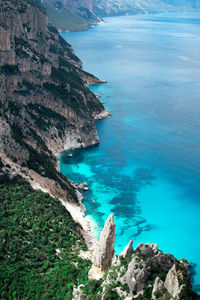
(177, 282)
(146, 258)
(103, 250)
(104, 114)
(128, 250)
(45, 105)
(143, 273)
(158, 289)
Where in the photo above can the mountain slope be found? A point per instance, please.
(119, 7)
(184, 3)
(39, 246)
(65, 20)
(68, 15)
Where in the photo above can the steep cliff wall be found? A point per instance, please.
(45, 105)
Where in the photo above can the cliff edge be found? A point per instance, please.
(45, 105)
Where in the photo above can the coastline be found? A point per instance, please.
(86, 222)
(78, 213)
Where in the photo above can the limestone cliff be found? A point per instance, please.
(45, 105)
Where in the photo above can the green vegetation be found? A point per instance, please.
(65, 20)
(162, 293)
(33, 226)
(110, 294)
(36, 3)
(92, 288)
(1, 79)
(10, 69)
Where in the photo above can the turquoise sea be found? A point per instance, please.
(146, 169)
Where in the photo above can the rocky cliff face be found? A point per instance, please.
(45, 105)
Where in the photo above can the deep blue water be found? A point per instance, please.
(146, 169)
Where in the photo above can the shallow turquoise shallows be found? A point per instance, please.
(146, 169)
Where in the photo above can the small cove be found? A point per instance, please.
(146, 168)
